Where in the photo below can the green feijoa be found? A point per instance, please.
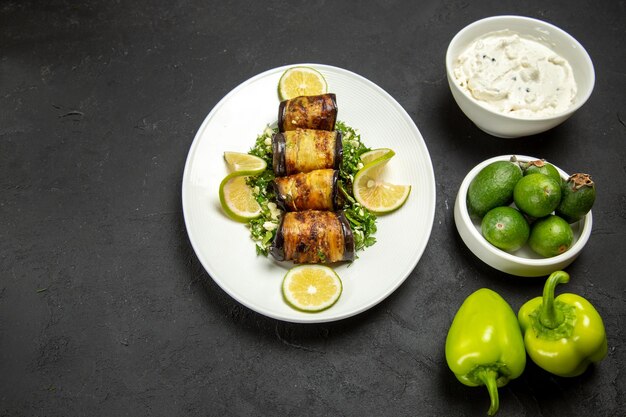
(505, 228)
(550, 236)
(492, 187)
(578, 194)
(541, 167)
(537, 195)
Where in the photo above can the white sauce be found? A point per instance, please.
(516, 75)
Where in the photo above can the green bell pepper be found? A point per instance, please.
(562, 335)
(484, 344)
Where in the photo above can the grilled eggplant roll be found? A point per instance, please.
(313, 236)
(305, 150)
(308, 112)
(315, 190)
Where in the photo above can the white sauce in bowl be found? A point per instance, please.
(516, 75)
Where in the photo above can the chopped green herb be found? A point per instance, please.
(353, 148)
(363, 225)
(263, 228)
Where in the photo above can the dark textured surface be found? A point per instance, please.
(105, 309)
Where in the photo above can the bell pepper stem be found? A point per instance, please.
(488, 377)
(550, 316)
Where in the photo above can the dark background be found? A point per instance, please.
(104, 307)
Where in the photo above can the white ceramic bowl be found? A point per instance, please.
(524, 262)
(502, 125)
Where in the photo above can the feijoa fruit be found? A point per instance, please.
(492, 187)
(540, 166)
(578, 194)
(550, 236)
(505, 228)
(537, 195)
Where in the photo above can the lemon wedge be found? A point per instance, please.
(237, 198)
(238, 162)
(375, 154)
(370, 191)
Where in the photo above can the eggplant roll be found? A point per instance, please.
(313, 236)
(308, 112)
(304, 150)
(315, 190)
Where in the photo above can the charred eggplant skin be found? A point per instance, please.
(277, 250)
(336, 197)
(314, 190)
(338, 151)
(313, 236)
(304, 150)
(349, 246)
(279, 154)
(308, 112)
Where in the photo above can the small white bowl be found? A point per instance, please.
(502, 125)
(524, 262)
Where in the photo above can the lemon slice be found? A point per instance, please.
(311, 288)
(301, 81)
(238, 161)
(371, 192)
(237, 198)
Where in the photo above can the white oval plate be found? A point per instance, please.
(224, 247)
